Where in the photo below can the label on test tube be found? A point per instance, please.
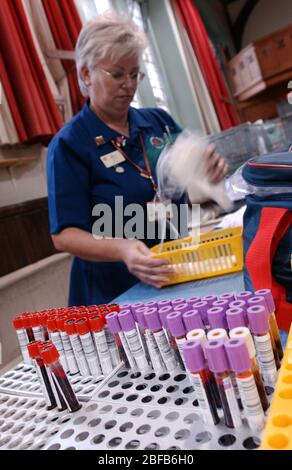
(156, 359)
(103, 352)
(90, 354)
(165, 350)
(128, 353)
(251, 403)
(266, 359)
(79, 355)
(72, 364)
(38, 333)
(232, 401)
(23, 341)
(180, 342)
(202, 398)
(114, 352)
(56, 338)
(137, 349)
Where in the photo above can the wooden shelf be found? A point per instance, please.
(11, 162)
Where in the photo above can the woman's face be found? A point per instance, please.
(106, 93)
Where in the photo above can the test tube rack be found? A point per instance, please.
(128, 410)
(278, 430)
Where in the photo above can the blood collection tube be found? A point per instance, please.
(50, 357)
(218, 364)
(151, 304)
(192, 300)
(217, 334)
(22, 339)
(240, 304)
(267, 294)
(244, 334)
(178, 332)
(56, 338)
(114, 352)
(34, 353)
(244, 295)
(154, 324)
(235, 317)
(259, 300)
(241, 364)
(177, 301)
(68, 351)
(199, 336)
(217, 318)
(27, 326)
(163, 312)
(224, 304)
(82, 328)
(121, 342)
(227, 296)
(97, 324)
(196, 365)
(154, 353)
(259, 325)
(76, 344)
(182, 308)
(192, 320)
(43, 321)
(129, 328)
(202, 308)
(163, 303)
(61, 404)
(36, 327)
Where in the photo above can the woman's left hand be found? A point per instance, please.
(216, 166)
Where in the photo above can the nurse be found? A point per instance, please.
(109, 150)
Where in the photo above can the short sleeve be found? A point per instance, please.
(68, 187)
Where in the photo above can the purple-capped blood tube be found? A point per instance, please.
(200, 379)
(268, 296)
(216, 317)
(227, 296)
(260, 300)
(121, 342)
(244, 333)
(202, 308)
(240, 363)
(151, 304)
(240, 304)
(218, 364)
(182, 308)
(154, 324)
(163, 303)
(259, 326)
(192, 300)
(244, 295)
(129, 328)
(192, 320)
(178, 301)
(177, 331)
(235, 317)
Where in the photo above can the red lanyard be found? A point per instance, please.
(145, 173)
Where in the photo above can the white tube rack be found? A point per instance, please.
(128, 410)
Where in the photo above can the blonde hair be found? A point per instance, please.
(109, 35)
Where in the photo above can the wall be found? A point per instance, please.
(267, 17)
(25, 182)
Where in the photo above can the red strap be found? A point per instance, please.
(273, 225)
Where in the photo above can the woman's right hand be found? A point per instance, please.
(139, 261)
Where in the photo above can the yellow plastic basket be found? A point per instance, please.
(216, 253)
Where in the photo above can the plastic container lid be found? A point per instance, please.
(175, 324)
(216, 356)
(17, 323)
(192, 320)
(49, 354)
(97, 323)
(69, 326)
(33, 349)
(194, 356)
(82, 326)
(238, 356)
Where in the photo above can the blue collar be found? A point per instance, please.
(97, 127)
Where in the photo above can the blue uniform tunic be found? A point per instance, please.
(78, 180)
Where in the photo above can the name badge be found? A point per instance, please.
(111, 159)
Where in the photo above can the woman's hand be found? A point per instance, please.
(216, 166)
(137, 257)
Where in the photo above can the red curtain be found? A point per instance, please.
(65, 25)
(34, 111)
(199, 39)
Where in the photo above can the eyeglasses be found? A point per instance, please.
(121, 77)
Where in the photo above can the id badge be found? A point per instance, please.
(159, 209)
(111, 159)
